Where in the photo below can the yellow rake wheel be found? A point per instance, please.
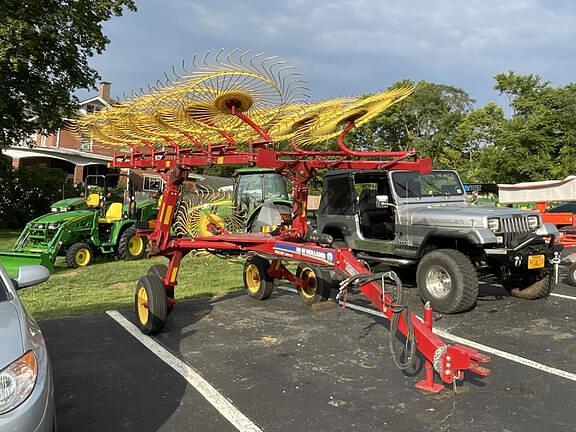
(318, 284)
(259, 285)
(150, 304)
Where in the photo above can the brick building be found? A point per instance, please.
(76, 156)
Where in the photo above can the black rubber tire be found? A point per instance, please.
(74, 250)
(572, 274)
(157, 304)
(124, 250)
(531, 287)
(160, 270)
(464, 287)
(322, 284)
(258, 284)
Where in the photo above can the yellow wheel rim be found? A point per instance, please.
(82, 257)
(252, 278)
(142, 305)
(135, 245)
(309, 290)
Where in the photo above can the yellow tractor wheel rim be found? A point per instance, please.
(82, 257)
(135, 245)
(252, 278)
(309, 290)
(142, 305)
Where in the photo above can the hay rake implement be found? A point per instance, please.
(233, 113)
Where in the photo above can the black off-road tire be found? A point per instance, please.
(463, 289)
(73, 253)
(530, 287)
(320, 284)
(124, 250)
(572, 274)
(258, 284)
(155, 303)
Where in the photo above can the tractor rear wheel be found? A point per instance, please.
(150, 304)
(79, 255)
(318, 284)
(259, 285)
(131, 246)
(572, 274)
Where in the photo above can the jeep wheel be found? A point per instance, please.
(572, 274)
(448, 280)
(529, 287)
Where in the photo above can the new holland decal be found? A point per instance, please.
(292, 251)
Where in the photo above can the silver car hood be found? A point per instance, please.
(11, 343)
(451, 214)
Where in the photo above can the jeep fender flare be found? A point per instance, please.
(476, 237)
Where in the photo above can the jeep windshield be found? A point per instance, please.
(412, 184)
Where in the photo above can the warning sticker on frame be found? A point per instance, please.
(293, 251)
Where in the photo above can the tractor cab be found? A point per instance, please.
(254, 187)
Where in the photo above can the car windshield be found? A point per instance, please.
(412, 184)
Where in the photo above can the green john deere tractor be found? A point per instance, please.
(79, 228)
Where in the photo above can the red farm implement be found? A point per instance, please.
(234, 114)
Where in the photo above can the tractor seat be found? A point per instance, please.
(113, 214)
(93, 200)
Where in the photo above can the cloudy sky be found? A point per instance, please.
(352, 46)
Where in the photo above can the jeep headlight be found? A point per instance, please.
(494, 224)
(17, 382)
(533, 222)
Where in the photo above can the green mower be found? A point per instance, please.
(79, 228)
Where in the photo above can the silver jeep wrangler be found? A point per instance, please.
(422, 225)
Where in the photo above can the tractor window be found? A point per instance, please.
(337, 197)
(274, 186)
(250, 190)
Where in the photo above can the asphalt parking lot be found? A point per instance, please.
(286, 367)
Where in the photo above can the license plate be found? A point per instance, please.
(535, 261)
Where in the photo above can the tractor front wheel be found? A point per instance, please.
(258, 283)
(131, 246)
(79, 255)
(318, 284)
(150, 304)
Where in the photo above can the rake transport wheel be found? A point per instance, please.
(79, 255)
(531, 286)
(159, 271)
(572, 274)
(258, 283)
(318, 284)
(150, 304)
(131, 246)
(448, 280)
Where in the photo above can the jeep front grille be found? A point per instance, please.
(512, 227)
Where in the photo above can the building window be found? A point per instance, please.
(91, 108)
(153, 184)
(43, 140)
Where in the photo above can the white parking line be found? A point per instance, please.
(222, 405)
(494, 351)
(563, 296)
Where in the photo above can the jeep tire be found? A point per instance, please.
(533, 286)
(448, 280)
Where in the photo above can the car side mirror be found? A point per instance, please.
(382, 201)
(31, 275)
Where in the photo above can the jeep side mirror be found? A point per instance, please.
(382, 201)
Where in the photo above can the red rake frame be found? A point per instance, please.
(449, 361)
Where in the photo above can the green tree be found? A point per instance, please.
(44, 51)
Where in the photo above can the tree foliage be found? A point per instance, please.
(536, 141)
(44, 51)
